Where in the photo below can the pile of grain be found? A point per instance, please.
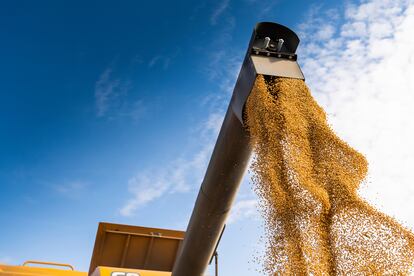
(307, 179)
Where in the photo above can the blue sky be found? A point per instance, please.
(109, 111)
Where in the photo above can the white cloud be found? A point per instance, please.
(133, 110)
(224, 64)
(154, 61)
(175, 177)
(325, 32)
(112, 99)
(243, 209)
(364, 79)
(218, 11)
(105, 90)
(354, 29)
(137, 110)
(144, 187)
(224, 68)
(71, 189)
(162, 60)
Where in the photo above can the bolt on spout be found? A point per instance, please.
(279, 44)
(266, 42)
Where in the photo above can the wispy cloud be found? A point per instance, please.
(104, 89)
(130, 109)
(108, 89)
(113, 99)
(361, 70)
(154, 61)
(242, 210)
(224, 68)
(163, 60)
(71, 189)
(176, 177)
(262, 8)
(137, 110)
(218, 11)
(224, 64)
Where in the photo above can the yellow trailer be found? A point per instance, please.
(120, 250)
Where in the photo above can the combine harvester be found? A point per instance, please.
(122, 250)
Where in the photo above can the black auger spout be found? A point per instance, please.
(271, 52)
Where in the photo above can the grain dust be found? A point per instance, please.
(307, 179)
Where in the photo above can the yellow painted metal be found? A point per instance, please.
(8, 270)
(48, 263)
(135, 247)
(113, 271)
(120, 250)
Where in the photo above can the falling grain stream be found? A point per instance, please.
(307, 180)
